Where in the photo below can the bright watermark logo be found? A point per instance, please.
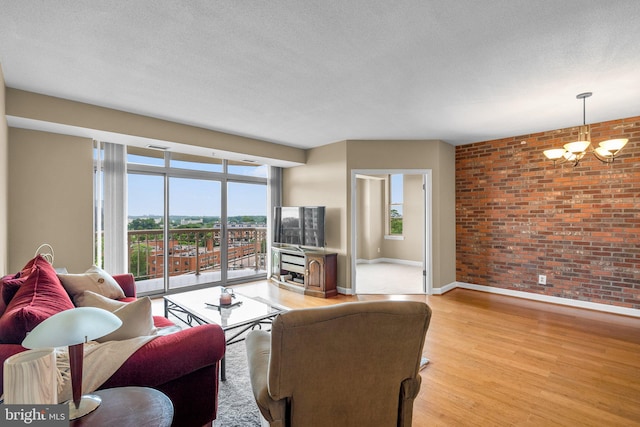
(35, 415)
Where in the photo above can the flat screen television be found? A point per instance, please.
(299, 226)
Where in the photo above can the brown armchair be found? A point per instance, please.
(351, 364)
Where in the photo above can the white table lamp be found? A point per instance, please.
(73, 328)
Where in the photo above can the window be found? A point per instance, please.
(396, 190)
(199, 163)
(175, 218)
(247, 168)
(144, 156)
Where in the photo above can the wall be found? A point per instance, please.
(518, 216)
(50, 174)
(370, 220)
(326, 179)
(444, 214)
(4, 178)
(322, 182)
(50, 198)
(365, 231)
(65, 116)
(410, 247)
(437, 156)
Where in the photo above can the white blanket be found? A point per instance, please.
(101, 360)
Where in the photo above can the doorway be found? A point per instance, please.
(390, 231)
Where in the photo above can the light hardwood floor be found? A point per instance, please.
(504, 361)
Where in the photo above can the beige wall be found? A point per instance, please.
(370, 221)
(58, 177)
(4, 177)
(325, 180)
(48, 184)
(410, 247)
(94, 119)
(419, 154)
(50, 198)
(444, 216)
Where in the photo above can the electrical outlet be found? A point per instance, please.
(542, 279)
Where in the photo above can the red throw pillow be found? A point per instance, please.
(3, 303)
(39, 297)
(9, 286)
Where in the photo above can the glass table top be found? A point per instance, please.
(204, 304)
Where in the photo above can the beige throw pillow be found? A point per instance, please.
(92, 299)
(136, 316)
(95, 280)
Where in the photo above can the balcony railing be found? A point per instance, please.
(193, 252)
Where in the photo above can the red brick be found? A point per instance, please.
(519, 216)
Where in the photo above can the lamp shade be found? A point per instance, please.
(604, 153)
(71, 327)
(577, 146)
(614, 145)
(554, 153)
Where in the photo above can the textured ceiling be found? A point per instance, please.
(305, 73)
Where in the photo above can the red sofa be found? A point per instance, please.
(183, 365)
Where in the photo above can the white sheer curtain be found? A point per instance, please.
(274, 193)
(275, 186)
(115, 208)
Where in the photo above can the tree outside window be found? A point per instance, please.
(396, 190)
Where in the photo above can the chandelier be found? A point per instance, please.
(573, 152)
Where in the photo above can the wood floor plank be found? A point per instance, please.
(504, 361)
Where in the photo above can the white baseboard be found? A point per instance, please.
(607, 308)
(345, 291)
(389, 261)
(444, 289)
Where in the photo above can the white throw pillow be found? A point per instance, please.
(95, 280)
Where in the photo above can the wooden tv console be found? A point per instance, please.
(312, 272)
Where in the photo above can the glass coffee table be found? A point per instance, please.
(202, 307)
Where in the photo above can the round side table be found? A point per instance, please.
(129, 406)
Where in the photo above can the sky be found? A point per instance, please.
(192, 197)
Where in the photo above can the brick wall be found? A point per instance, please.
(518, 216)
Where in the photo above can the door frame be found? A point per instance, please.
(427, 253)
